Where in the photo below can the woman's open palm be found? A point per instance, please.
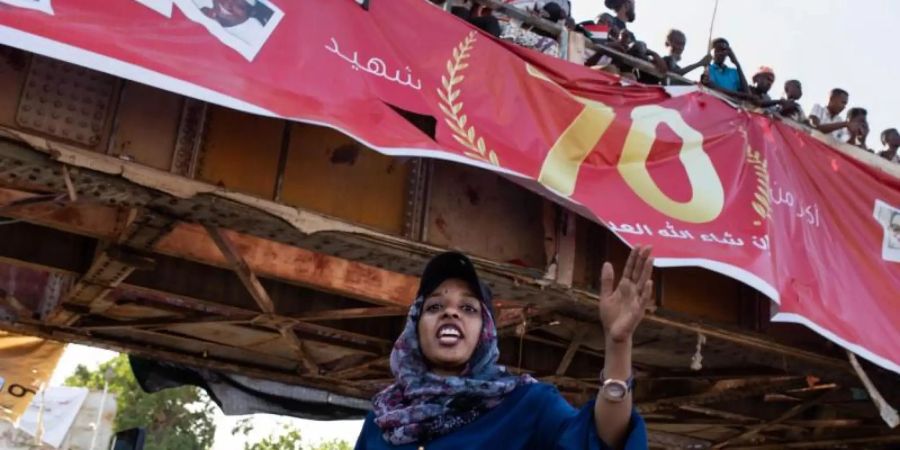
(622, 307)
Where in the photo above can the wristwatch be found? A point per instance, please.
(614, 390)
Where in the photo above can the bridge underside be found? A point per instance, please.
(210, 238)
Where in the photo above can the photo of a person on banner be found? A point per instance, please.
(894, 230)
(37, 5)
(231, 13)
(244, 25)
(889, 218)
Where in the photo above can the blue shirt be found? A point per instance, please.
(724, 77)
(532, 417)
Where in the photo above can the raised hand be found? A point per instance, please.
(622, 307)
(733, 57)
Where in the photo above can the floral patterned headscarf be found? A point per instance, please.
(421, 405)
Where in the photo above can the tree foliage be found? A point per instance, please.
(288, 439)
(175, 419)
(334, 444)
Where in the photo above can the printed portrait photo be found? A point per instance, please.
(244, 25)
(163, 7)
(37, 5)
(889, 218)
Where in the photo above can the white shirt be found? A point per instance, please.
(825, 118)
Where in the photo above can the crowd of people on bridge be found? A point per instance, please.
(721, 69)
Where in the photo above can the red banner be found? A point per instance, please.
(814, 227)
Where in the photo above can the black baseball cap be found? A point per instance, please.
(454, 265)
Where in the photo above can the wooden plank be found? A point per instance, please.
(14, 307)
(723, 392)
(321, 331)
(567, 358)
(126, 310)
(795, 425)
(732, 419)
(254, 342)
(247, 276)
(354, 313)
(331, 173)
(296, 265)
(160, 322)
(863, 442)
(827, 423)
(308, 364)
(749, 340)
(672, 440)
(739, 418)
(789, 414)
(887, 412)
(560, 345)
(359, 369)
(236, 335)
(86, 219)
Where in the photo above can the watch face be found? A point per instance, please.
(614, 390)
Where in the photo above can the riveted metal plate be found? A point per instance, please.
(190, 137)
(57, 286)
(66, 101)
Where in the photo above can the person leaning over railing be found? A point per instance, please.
(719, 76)
(676, 41)
(858, 128)
(639, 50)
(890, 138)
(790, 107)
(611, 31)
(763, 80)
(828, 119)
(619, 53)
(516, 31)
(625, 13)
(474, 14)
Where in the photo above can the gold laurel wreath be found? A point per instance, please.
(762, 197)
(453, 109)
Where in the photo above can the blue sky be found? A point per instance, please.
(822, 43)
